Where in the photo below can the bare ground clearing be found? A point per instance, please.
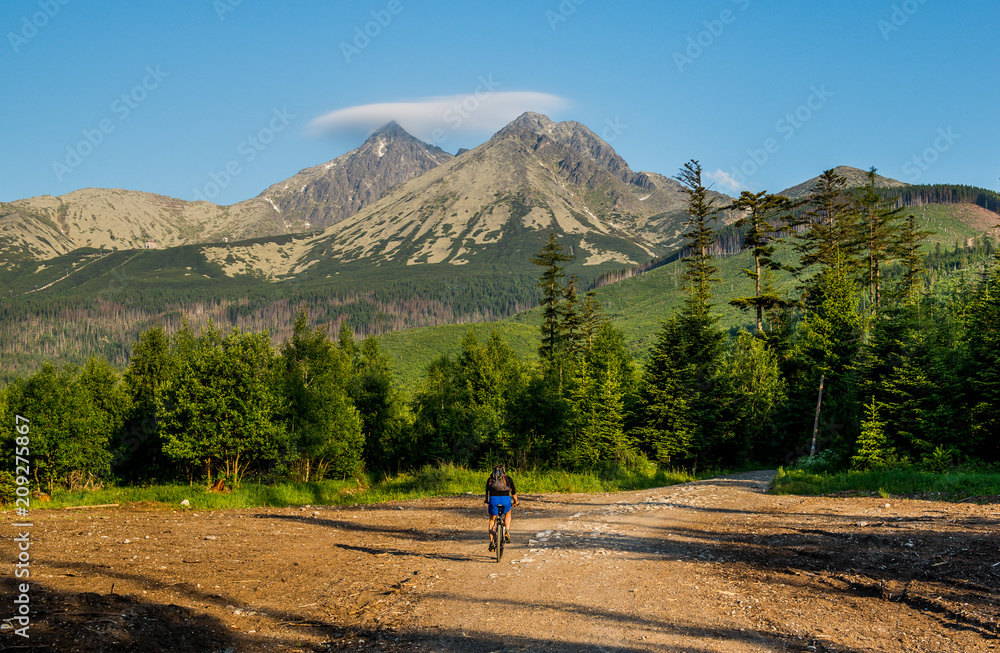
(716, 565)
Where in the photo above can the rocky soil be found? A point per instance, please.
(717, 565)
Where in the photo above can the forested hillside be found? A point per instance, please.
(908, 371)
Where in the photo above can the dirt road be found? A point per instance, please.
(717, 565)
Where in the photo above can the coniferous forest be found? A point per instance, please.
(865, 364)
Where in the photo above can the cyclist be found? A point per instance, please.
(499, 492)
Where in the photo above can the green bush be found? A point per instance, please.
(824, 462)
(8, 487)
(938, 461)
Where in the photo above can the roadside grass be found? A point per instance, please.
(948, 486)
(429, 481)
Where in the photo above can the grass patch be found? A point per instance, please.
(948, 486)
(429, 481)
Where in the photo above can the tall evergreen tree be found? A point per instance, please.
(907, 248)
(981, 365)
(880, 233)
(571, 323)
(680, 396)
(602, 395)
(765, 217)
(826, 344)
(827, 232)
(700, 270)
(551, 258)
(678, 399)
(591, 319)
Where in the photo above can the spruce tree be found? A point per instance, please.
(551, 258)
(700, 271)
(678, 401)
(571, 322)
(827, 231)
(907, 248)
(879, 236)
(981, 365)
(591, 319)
(766, 219)
(874, 451)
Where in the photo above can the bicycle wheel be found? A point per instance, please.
(500, 536)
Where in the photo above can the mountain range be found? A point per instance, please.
(547, 174)
(394, 234)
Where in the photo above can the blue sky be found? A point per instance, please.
(219, 99)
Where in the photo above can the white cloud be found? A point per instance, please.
(730, 182)
(433, 119)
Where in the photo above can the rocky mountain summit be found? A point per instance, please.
(323, 195)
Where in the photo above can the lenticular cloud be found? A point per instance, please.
(429, 119)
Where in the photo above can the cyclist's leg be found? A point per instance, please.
(492, 509)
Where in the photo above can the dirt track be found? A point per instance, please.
(716, 565)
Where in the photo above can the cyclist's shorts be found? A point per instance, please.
(496, 502)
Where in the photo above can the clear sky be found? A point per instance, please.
(220, 99)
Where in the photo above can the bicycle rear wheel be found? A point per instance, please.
(500, 536)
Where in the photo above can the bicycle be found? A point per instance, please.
(500, 535)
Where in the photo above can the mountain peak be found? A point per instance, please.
(390, 130)
(533, 121)
(854, 176)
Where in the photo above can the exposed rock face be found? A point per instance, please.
(323, 195)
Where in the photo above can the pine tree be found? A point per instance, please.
(873, 450)
(602, 394)
(879, 234)
(825, 344)
(829, 230)
(550, 259)
(678, 401)
(981, 365)
(700, 271)
(571, 322)
(680, 397)
(766, 219)
(907, 248)
(592, 318)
